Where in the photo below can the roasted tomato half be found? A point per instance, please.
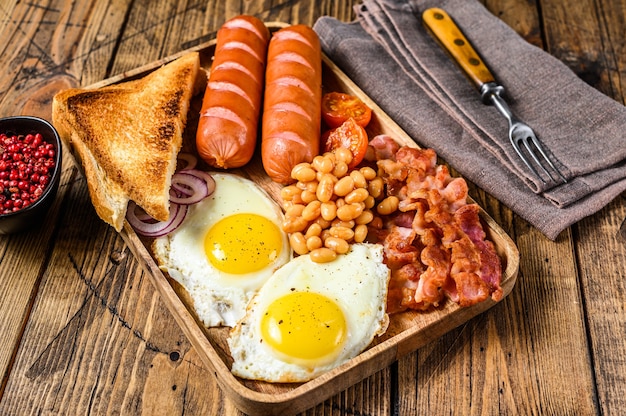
(349, 135)
(337, 107)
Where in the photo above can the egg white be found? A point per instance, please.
(219, 298)
(356, 281)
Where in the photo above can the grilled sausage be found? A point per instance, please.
(292, 101)
(228, 125)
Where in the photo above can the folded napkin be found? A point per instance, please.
(392, 57)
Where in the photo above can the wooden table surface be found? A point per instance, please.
(85, 332)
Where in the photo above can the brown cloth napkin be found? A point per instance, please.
(391, 56)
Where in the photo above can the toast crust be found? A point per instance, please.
(127, 136)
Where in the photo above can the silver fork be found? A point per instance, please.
(522, 137)
(520, 133)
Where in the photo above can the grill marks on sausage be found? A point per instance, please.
(244, 48)
(241, 23)
(224, 114)
(234, 66)
(293, 108)
(216, 86)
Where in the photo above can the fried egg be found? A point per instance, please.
(311, 317)
(229, 244)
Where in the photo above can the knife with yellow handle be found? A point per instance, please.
(452, 39)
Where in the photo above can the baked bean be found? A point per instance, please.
(322, 223)
(288, 192)
(344, 233)
(325, 187)
(314, 230)
(323, 164)
(365, 218)
(357, 195)
(338, 223)
(297, 199)
(328, 210)
(349, 212)
(388, 205)
(323, 255)
(303, 172)
(294, 224)
(360, 233)
(341, 169)
(343, 154)
(310, 186)
(338, 245)
(359, 179)
(331, 207)
(331, 156)
(308, 196)
(312, 210)
(376, 187)
(313, 242)
(298, 243)
(295, 210)
(368, 173)
(344, 186)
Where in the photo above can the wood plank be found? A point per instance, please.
(27, 88)
(604, 295)
(588, 36)
(24, 259)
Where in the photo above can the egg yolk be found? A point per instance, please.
(243, 243)
(304, 325)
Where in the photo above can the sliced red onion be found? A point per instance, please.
(150, 228)
(142, 215)
(180, 190)
(189, 186)
(193, 186)
(189, 159)
(210, 182)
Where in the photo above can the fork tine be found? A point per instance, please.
(524, 159)
(546, 158)
(518, 130)
(526, 141)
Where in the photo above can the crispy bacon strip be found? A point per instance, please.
(436, 247)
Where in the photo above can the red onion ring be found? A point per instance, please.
(156, 229)
(189, 186)
(194, 186)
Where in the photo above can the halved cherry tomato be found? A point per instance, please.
(349, 135)
(337, 107)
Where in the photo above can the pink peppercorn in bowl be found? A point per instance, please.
(30, 170)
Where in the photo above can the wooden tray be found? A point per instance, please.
(407, 331)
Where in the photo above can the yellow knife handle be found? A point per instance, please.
(454, 41)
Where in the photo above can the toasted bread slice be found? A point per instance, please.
(127, 136)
